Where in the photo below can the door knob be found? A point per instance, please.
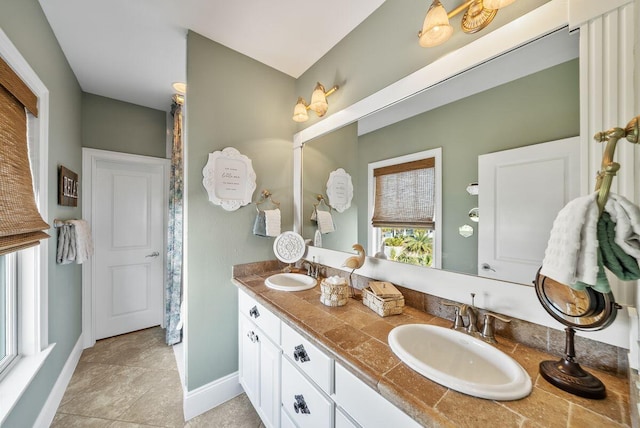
(487, 266)
(154, 254)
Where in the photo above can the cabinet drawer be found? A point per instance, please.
(265, 320)
(308, 358)
(305, 405)
(365, 405)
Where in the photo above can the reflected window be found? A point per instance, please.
(405, 201)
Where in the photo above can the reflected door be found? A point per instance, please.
(128, 224)
(521, 192)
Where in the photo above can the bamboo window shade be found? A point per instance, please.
(405, 195)
(21, 225)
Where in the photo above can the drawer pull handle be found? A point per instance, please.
(300, 354)
(253, 312)
(300, 406)
(253, 337)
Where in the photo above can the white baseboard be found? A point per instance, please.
(48, 412)
(208, 396)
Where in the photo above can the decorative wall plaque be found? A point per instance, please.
(340, 190)
(67, 187)
(229, 179)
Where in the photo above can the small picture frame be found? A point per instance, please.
(68, 187)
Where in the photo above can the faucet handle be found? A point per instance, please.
(487, 330)
(460, 309)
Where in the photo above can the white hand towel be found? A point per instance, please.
(83, 240)
(626, 216)
(571, 253)
(272, 220)
(325, 222)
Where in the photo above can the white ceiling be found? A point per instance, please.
(133, 50)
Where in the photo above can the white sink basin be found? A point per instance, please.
(290, 282)
(460, 362)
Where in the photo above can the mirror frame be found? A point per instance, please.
(499, 296)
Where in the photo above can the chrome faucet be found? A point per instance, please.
(472, 312)
(312, 268)
(487, 331)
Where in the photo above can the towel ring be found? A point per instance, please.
(321, 201)
(266, 197)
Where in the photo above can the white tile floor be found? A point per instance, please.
(132, 381)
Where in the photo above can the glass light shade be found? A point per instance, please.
(436, 28)
(300, 111)
(319, 101)
(496, 4)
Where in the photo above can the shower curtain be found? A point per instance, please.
(173, 292)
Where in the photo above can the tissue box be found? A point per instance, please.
(383, 306)
(334, 291)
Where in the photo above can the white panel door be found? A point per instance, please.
(521, 192)
(128, 223)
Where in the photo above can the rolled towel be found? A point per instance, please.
(260, 225)
(325, 222)
(272, 222)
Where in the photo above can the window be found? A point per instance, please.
(405, 208)
(23, 266)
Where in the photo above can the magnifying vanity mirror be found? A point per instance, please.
(484, 110)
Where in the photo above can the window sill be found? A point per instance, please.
(16, 382)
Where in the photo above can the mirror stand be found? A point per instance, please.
(567, 374)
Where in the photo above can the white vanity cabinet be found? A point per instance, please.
(293, 384)
(259, 358)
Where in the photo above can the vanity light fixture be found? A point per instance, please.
(479, 13)
(318, 103)
(179, 87)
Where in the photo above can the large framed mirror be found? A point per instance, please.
(484, 110)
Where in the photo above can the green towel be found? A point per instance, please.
(611, 256)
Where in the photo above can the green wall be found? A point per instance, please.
(26, 26)
(233, 101)
(109, 124)
(384, 48)
(535, 109)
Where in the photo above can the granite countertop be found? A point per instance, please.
(356, 337)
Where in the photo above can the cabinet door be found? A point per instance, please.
(248, 360)
(269, 382)
(305, 404)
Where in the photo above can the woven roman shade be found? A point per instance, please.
(21, 225)
(405, 195)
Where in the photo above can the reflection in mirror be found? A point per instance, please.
(405, 208)
(540, 107)
(320, 157)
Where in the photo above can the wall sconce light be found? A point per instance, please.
(318, 103)
(479, 13)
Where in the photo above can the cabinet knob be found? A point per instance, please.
(253, 336)
(300, 406)
(300, 354)
(253, 312)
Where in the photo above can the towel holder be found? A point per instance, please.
(265, 196)
(321, 201)
(60, 223)
(609, 168)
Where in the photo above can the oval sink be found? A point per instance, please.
(290, 282)
(460, 362)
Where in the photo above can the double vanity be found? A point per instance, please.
(308, 365)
